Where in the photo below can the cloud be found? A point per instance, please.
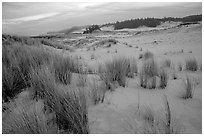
(32, 17)
(29, 18)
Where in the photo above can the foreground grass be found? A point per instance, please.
(158, 124)
(17, 61)
(48, 76)
(67, 103)
(26, 118)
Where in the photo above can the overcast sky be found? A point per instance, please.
(38, 18)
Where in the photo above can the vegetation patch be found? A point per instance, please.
(191, 64)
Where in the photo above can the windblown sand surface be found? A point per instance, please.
(119, 112)
(123, 109)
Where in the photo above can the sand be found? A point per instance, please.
(122, 110)
(118, 113)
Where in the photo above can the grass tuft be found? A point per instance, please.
(115, 72)
(168, 117)
(132, 67)
(97, 92)
(188, 89)
(148, 74)
(72, 112)
(163, 78)
(191, 64)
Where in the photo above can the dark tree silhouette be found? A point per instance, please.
(152, 22)
(91, 29)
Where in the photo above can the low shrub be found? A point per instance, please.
(106, 41)
(112, 41)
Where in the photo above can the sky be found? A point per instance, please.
(23, 18)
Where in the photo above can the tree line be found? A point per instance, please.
(152, 22)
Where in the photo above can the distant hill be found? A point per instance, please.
(22, 40)
(68, 31)
(132, 23)
(33, 41)
(151, 22)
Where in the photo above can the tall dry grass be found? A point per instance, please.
(48, 76)
(97, 91)
(132, 67)
(163, 78)
(68, 103)
(148, 73)
(115, 72)
(17, 60)
(72, 111)
(63, 68)
(188, 93)
(159, 123)
(27, 118)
